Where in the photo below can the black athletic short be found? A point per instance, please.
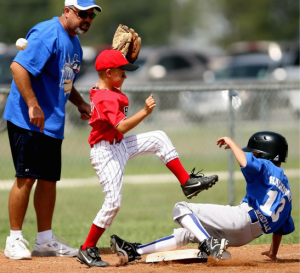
(35, 155)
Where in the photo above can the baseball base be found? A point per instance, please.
(180, 255)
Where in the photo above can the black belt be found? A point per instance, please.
(253, 216)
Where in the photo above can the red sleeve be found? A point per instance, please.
(109, 111)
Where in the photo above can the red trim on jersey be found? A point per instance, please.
(108, 109)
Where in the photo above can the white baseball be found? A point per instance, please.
(21, 44)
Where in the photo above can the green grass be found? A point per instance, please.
(196, 146)
(145, 215)
(146, 212)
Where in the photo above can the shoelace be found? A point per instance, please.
(22, 242)
(61, 242)
(196, 175)
(96, 252)
(204, 247)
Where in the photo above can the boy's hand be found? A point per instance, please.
(149, 104)
(270, 255)
(129, 123)
(276, 239)
(238, 152)
(224, 141)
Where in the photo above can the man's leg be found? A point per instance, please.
(18, 201)
(17, 206)
(44, 203)
(47, 245)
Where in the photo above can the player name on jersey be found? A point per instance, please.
(263, 220)
(275, 181)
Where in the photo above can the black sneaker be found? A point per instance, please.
(90, 257)
(197, 183)
(213, 246)
(123, 248)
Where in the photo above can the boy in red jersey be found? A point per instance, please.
(110, 150)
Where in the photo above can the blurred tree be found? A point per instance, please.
(146, 17)
(165, 21)
(260, 20)
(18, 17)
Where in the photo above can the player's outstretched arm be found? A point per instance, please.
(276, 239)
(237, 151)
(128, 124)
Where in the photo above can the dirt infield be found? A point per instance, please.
(244, 259)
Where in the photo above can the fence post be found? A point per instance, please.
(231, 156)
(263, 111)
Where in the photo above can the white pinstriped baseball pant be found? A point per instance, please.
(109, 162)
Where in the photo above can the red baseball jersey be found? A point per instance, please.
(108, 109)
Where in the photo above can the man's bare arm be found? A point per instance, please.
(22, 80)
(83, 107)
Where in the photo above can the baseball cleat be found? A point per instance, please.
(197, 183)
(123, 248)
(213, 247)
(16, 249)
(57, 247)
(90, 257)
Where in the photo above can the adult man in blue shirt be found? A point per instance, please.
(43, 78)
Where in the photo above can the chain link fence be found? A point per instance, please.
(194, 115)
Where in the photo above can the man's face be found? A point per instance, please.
(78, 24)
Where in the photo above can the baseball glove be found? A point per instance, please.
(128, 42)
(134, 47)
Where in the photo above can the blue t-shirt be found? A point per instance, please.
(268, 193)
(53, 59)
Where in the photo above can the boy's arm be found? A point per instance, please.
(128, 124)
(274, 247)
(237, 151)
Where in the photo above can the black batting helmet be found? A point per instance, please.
(268, 145)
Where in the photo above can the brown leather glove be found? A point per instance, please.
(128, 42)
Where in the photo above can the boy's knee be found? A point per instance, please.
(161, 133)
(177, 210)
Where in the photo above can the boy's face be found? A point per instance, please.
(117, 77)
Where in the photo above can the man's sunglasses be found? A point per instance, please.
(84, 14)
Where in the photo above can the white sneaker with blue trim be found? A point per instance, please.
(16, 249)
